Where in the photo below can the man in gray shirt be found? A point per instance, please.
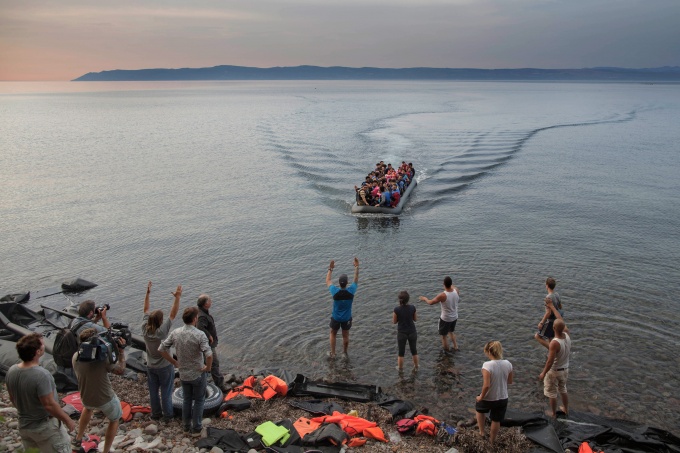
(192, 348)
(43, 424)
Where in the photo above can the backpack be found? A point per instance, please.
(65, 345)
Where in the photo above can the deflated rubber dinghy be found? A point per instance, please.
(77, 285)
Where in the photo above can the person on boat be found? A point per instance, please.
(361, 196)
(553, 311)
(385, 197)
(43, 424)
(375, 191)
(194, 361)
(160, 372)
(497, 374)
(96, 392)
(206, 324)
(88, 317)
(396, 196)
(343, 297)
(411, 170)
(556, 369)
(404, 315)
(402, 186)
(448, 301)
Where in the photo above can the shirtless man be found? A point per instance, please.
(449, 314)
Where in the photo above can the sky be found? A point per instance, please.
(64, 39)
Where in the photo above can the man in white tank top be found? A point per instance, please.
(449, 314)
(556, 369)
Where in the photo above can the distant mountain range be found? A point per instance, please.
(666, 73)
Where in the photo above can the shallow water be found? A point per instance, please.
(242, 190)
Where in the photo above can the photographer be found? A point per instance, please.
(89, 316)
(96, 391)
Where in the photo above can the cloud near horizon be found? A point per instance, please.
(44, 40)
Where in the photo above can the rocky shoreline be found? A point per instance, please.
(142, 434)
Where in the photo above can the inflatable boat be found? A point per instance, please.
(356, 209)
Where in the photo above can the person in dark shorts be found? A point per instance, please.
(553, 311)
(343, 297)
(493, 400)
(405, 316)
(449, 313)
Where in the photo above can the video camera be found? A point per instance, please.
(105, 346)
(120, 330)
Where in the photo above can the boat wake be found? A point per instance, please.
(450, 154)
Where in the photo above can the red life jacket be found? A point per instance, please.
(74, 400)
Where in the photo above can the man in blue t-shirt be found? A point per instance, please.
(342, 306)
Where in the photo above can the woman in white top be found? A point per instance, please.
(497, 374)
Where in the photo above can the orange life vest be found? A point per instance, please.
(426, 427)
(273, 386)
(375, 433)
(129, 411)
(245, 389)
(304, 426)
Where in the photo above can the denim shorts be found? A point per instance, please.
(112, 410)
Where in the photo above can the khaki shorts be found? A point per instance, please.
(554, 382)
(50, 436)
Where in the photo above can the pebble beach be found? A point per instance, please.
(142, 434)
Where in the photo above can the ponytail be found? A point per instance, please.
(494, 349)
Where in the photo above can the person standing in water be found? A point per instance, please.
(553, 310)
(404, 316)
(556, 369)
(449, 314)
(343, 297)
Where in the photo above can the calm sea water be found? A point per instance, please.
(243, 190)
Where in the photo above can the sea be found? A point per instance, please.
(242, 190)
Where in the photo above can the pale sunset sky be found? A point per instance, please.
(64, 39)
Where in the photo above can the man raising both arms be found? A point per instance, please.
(342, 306)
(449, 315)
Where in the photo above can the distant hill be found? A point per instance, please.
(666, 73)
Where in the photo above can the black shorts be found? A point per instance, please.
(547, 332)
(497, 409)
(411, 338)
(335, 325)
(446, 327)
